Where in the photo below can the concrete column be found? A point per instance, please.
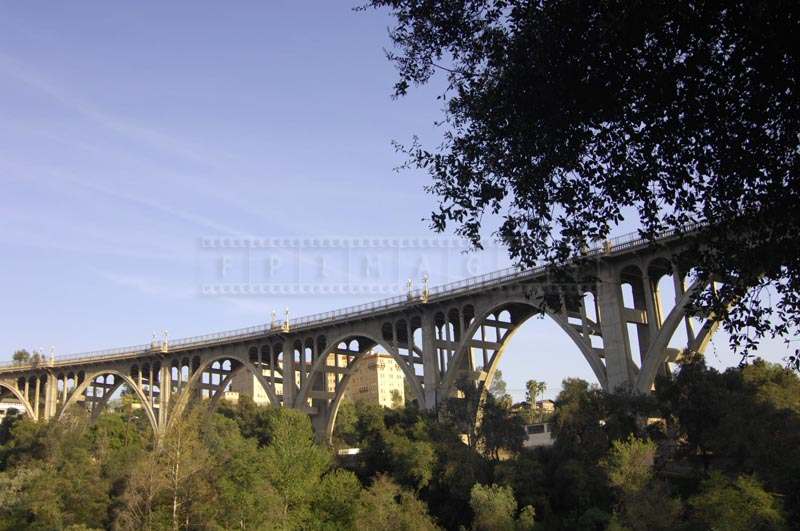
(643, 301)
(448, 337)
(430, 374)
(288, 372)
(36, 397)
(51, 397)
(584, 320)
(165, 388)
(272, 355)
(680, 289)
(150, 383)
(619, 366)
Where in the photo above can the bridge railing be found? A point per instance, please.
(617, 244)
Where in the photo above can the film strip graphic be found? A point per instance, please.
(335, 266)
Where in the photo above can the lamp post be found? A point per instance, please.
(285, 326)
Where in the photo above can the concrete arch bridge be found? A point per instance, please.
(612, 311)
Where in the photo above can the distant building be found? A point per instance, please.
(11, 408)
(546, 407)
(378, 379)
(542, 411)
(539, 434)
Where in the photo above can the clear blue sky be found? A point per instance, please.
(134, 135)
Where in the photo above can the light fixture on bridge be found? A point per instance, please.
(274, 321)
(285, 326)
(425, 292)
(410, 285)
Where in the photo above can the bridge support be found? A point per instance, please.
(429, 364)
(620, 369)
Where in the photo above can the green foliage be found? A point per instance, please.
(741, 505)
(743, 421)
(344, 433)
(386, 506)
(644, 502)
(257, 467)
(253, 421)
(630, 464)
(498, 388)
(53, 479)
(245, 498)
(334, 505)
(410, 461)
(21, 356)
(534, 389)
(500, 429)
(461, 412)
(494, 508)
(526, 521)
(6, 428)
(293, 462)
(526, 474)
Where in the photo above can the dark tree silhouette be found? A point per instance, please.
(564, 117)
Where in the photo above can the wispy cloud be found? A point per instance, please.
(146, 285)
(152, 137)
(213, 160)
(64, 177)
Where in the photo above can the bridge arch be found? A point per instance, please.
(119, 379)
(658, 354)
(195, 381)
(17, 394)
(358, 344)
(505, 318)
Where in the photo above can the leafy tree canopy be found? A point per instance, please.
(567, 117)
(21, 356)
(740, 505)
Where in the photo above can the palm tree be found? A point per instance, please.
(535, 389)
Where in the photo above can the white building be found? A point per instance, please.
(12, 408)
(539, 434)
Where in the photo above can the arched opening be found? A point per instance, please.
(631, 283)
(678, 333)
(667, 287)
(405, 337)
(12, 401)
(530, 335)
(351, 370)
(228, 378)
(127, 395)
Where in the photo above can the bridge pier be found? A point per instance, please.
(429, 364)
(620, 370)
